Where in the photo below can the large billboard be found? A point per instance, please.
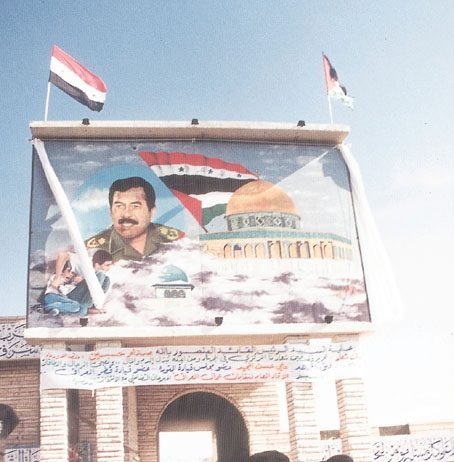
(181, 233)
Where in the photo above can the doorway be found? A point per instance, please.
(202, 427)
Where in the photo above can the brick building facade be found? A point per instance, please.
(125, 423)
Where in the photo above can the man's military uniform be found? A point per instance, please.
(119, 248)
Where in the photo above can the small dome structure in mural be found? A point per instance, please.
(172, 273)
(174, 283)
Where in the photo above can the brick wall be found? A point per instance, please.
(304, 434)
(355, 432)
(19, 388)
(54, 426)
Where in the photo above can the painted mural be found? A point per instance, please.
(181, 233)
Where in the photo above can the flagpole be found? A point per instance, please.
(326, 70)
(330, 109)
(46, 110)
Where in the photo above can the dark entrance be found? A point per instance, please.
(212, 420)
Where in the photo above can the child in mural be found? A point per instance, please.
(67, 291)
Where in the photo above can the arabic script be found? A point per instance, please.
(13, 345)
(112, 367)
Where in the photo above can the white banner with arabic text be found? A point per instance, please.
(112, 367)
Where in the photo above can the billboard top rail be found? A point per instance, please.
(221, 130)
(199, 335)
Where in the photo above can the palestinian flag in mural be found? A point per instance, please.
(333, 86)
(202, 184)
(76, 80)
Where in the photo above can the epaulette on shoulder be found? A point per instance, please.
(169, 234)
(96, 241)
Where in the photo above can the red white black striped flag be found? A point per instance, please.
(76, 80)
(333, 86)
(202, 184)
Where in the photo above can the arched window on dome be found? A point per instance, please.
(304, 250)
(237, 251)
(260, 251)
(248, 251)
(317, 251)
(228, 251)
(328, 250)
(293, 250)
(275, 249)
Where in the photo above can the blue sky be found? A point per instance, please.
(261, 61)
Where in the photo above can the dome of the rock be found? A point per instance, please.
(260, 196)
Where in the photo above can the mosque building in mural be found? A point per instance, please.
(263, 223)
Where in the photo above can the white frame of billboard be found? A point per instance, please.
(203, 130)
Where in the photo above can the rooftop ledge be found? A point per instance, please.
(211, 130)
(196, 335)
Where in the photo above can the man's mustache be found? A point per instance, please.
(131, 221)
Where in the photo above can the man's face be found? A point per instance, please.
(130, 214)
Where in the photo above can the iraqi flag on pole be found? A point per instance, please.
(202, 184)
(333, 86)
(76, 80)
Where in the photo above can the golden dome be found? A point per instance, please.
(260, 196)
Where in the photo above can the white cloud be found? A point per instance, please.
(69, 185)
(92, 199)
(87, 165)
(124, 159)
(100, 147)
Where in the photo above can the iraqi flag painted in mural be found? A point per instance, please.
(333, 86)
(202, 184)
(76, 80)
